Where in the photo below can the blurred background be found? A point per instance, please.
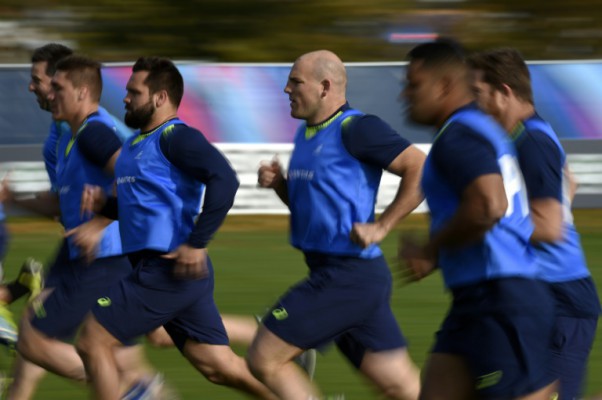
(243, 108)
(280, 30)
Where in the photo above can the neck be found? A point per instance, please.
(158, 120)
(517, 112)
(325, 113)
(78, 119)
(451, 107)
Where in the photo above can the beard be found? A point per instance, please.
(139, 117)
(43, 103)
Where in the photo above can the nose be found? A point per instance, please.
(287, 89)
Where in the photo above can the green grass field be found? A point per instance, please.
(254, 264)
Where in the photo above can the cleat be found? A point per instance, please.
(31, 277)
(146, 390)
(8, 328)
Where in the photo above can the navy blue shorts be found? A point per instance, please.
(75, 290)
(151, 297)
(572, 342)
(58, 266)
(344, 299)
(503, 329)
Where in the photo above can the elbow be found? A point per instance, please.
(495, 209)
(547, 234)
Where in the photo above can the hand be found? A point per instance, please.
(270, 174)
(415, 261)
(190, 262)
(93, 200)
(87, 237)
(6, 194)
(367, 234)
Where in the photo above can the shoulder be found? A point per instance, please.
(181, 137)
(97, 136)
(361, 123)
(370, 129)
(537, 144)
(94, 128)
(179, 132)
(459, 135)
(370, 139)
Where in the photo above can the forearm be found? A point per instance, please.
(408, 197)
(408, 166)
(110, 210)
(546, 214)
(42, 203)
(100, 221)
(282, 191)
(219, 198)
(464, 228)
(573, 185)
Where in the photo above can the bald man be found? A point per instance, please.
(330, 189)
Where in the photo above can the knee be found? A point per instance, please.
(159, 338)
(26, 347)
(29, 342)
(258, 365)
(86, 345)
(401, 391)
(216, 374)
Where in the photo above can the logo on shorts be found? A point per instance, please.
(280, 313)
(488, 380)
(104, 302)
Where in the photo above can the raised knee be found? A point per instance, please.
(258, 367)
(25, 348)
(85, 345)
(215, 376)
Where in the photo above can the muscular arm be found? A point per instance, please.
(282, 191)
(43, 203)
(100, 145)
(374, 142)
(546, 214)
(573, 184)
(483, 203)
(408, 165)
(190, 151)
(470, 167)
(543, 168)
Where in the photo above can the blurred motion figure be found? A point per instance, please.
(493, 343)
(503, 89)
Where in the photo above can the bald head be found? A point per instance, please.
(325, 65)
(316, 86)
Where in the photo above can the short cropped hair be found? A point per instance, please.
(51, 53)
(162, 75)
(504, 66)
(81, 70)
(440, 52)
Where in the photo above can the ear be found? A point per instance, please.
(326, 85)
(83, 93)
(506, 90)
(161, 98)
